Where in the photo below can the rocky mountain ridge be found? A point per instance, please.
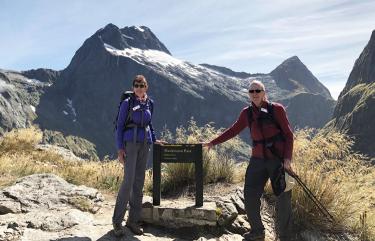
(355, 106)
(104, 66)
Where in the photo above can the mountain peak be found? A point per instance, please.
(363, 70)
(293, 75)
(140, 28)
(109, 27)
(372, 38)
(111, 35)
(134, 36)
(292, 62)
(143, 38)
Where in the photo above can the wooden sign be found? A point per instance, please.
(178, 153)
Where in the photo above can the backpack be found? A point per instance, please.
(264, 116)
(124, 96)
(278, 183)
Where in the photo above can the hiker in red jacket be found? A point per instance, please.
(271, 156)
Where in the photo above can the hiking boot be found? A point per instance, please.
(135, 228)
(117, 230)
(254, 235)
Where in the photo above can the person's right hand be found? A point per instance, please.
(208, 145)
(121, 156)
(160, 142)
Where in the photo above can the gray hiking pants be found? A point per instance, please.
(131, 190)
(257, 174)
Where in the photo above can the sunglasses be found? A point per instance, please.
(255, 91)
(139, 86)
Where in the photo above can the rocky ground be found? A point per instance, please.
(46, 207)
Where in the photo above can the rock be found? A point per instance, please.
(238, 200)
(228, 213)
(225, 237)
(47, 191)
(240, 225)
(8, 205)
(39, 206)
(180, 213)
(66, 153)
(56, 221)
(9, 234)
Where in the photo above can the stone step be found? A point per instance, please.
(179, 213)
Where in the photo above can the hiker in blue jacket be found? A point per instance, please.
(134, 136)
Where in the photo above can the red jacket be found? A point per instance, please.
(282, 147)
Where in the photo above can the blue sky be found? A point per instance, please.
(244, 35)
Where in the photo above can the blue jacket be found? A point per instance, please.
(127, 134)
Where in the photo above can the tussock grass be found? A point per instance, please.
(218, 164)
(20, 140)
(20, 157)
(343, 182)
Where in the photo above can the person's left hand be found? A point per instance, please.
(288, 166)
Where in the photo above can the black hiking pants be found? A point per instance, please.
(257, 174)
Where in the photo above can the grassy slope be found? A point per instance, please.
(340, 179)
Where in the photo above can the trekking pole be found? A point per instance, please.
(320, 206)
(312, 197)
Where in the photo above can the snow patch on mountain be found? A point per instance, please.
(139, 28)
(72, 109)
(5, 86)
(34, 81)
(126, 36)
(194, 78)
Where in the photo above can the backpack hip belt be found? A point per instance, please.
(135, 133)
(268, 142)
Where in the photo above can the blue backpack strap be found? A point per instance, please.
(151, 105)
(130, 111)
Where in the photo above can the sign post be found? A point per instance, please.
(178, 153)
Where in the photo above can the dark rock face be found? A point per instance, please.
(293, 75)
(308, 109)
(363, 71)
(355, 107)
(43, 75)
(19, 97)
(78, 146)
